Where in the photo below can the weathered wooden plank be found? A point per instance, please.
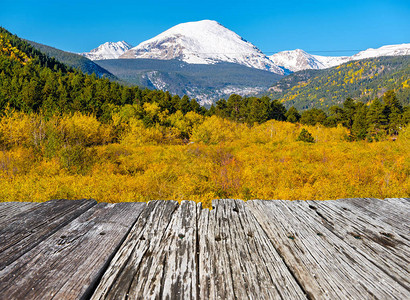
(237, 259)
(325, 265)
(171, 273)
(374, 239)
(22, 233)
(10, 209)
(68, 264)
(390, 211)
(135, 259)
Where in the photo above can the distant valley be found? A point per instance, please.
(207, 61)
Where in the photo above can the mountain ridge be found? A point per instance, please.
(73, 60)
(108, 50)
(203, 42)
(298, 60)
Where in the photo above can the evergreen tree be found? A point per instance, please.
(376, 118)
(313, 116)
(393, 111)
(292, 115)
(277, 111)
(221, 109)
(184, 104)
(305, 136)
(360, 125)
(349, 111)
(258, 111)
(234, 106)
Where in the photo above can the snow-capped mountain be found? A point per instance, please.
(107, 50)
(203, 42)
(389, 50)
(297, 60)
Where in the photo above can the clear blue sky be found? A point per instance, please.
(273, 26)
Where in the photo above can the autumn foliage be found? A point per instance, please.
(197, 158)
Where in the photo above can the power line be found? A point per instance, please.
(273, 52)
(321, 51)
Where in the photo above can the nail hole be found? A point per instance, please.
(292, 237)
(312, 207)
(181, 236)
(102, 233)
(386, 234)
(218, 238)
(319, 234)
(63, 236)
(142, 238)
(236, 210)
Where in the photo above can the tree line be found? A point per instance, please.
(30, 81)
(372, 121)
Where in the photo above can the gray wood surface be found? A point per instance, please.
(377, 241)
(344, 249)
(23, 233)
(326, 265)
(10, 209)
(394, 212)
(236, 258)
(68, 264)
(136, 270)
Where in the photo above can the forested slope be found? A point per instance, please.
(361, 80)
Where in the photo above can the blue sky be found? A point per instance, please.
(320, 27)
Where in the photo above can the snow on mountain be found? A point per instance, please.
(107, 50)
(390, 50)
(203, 42)
(297, 60)
(331, 61)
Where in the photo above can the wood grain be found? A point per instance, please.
(68, 264)
(23, 233)
(10, 209)
(236, 258)
(325, 265)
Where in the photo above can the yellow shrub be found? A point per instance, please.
(17, 128)
(85, 129)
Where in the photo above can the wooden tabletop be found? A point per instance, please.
(342, 249)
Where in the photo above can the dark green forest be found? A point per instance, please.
(73, 60)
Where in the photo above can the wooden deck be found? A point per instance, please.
(344, 249)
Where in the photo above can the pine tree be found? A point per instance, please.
(258, 111)
(277, 111)
(234, 106)
(292, 115)
(360, 125)
(305, 136)
(376, 118)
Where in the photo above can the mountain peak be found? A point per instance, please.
(297, 60)
(108, 50)
(202, 42)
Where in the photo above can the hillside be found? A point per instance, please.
(31, 81)
(206, 83)
(73, 60)
(362, 79)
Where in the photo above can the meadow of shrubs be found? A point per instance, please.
(194, 157)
